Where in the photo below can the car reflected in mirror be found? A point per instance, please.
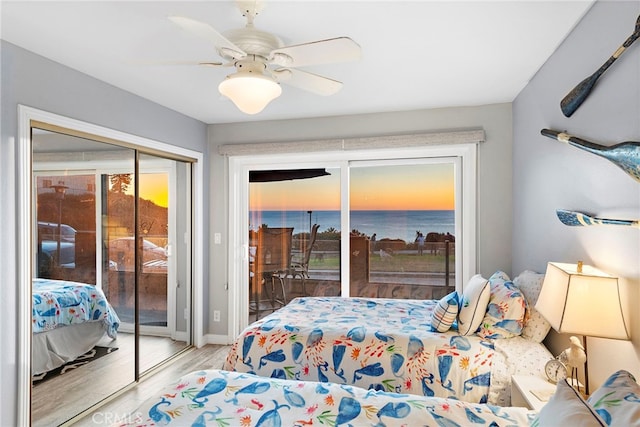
(121, 255)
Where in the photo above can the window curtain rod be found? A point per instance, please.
(373, 142)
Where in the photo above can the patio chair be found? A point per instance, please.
(270, 265)
(300, 268)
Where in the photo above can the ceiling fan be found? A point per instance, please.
(262, 62)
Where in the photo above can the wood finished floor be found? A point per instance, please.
(57, 400)
(119, 409)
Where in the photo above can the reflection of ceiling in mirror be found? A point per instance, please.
(52, 146)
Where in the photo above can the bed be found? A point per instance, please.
(222, 398)
(69, 319)
(390, 345)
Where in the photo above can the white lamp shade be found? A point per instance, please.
(249, 91)
(585, 303)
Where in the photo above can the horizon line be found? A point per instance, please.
(357, 210)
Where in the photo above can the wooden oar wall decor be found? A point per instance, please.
(574, 99)
(625, 155)
(579, 219)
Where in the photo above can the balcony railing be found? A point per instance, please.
(389, 269)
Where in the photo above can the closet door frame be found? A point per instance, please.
(29, 117)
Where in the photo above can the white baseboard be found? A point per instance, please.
(217, 339)
(180, 336)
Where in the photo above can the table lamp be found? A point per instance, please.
(580, 299)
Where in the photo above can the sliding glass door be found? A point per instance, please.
(403, 221)
(308, 202)
(404, 212)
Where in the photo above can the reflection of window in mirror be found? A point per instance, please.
(87, 243)
(71, 273)
(66, 227)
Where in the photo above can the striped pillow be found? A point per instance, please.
(445, 312)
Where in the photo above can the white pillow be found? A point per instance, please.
(567, 408)
(536, 327)
(473, 305)
(445, 312)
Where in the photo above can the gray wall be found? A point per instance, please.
(494, 183)
(34, 81)
(548, 175)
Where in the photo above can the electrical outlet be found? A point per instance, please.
(216, 315)
(217, 238)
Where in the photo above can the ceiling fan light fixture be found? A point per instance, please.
(250, 92)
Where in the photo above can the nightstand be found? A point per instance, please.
(522, 388)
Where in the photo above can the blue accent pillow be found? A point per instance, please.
(506, 309)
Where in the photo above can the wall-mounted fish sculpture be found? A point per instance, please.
(625, 155)
(578, 219)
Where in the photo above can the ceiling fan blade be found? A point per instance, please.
(225, 47)
(179, 62)
(307, 81)
(339, 49)
(215, 64)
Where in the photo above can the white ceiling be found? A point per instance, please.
(416, 54)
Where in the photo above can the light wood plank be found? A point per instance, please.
(121, 407)
(55, 401)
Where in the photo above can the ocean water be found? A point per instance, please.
(386, 224)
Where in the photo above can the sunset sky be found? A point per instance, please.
(416, 187)
(155, 187)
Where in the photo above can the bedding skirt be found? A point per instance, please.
(54, 348)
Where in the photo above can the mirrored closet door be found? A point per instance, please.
(111, 279)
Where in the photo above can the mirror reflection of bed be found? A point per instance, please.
(69, 320)
(87, 259)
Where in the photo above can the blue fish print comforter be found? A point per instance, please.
(380, 344)
(220, 398)
(59, 303)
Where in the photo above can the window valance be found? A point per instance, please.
(469, 136)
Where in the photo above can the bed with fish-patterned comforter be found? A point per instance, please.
(68, 319)
(222, 398)
(381, 344)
